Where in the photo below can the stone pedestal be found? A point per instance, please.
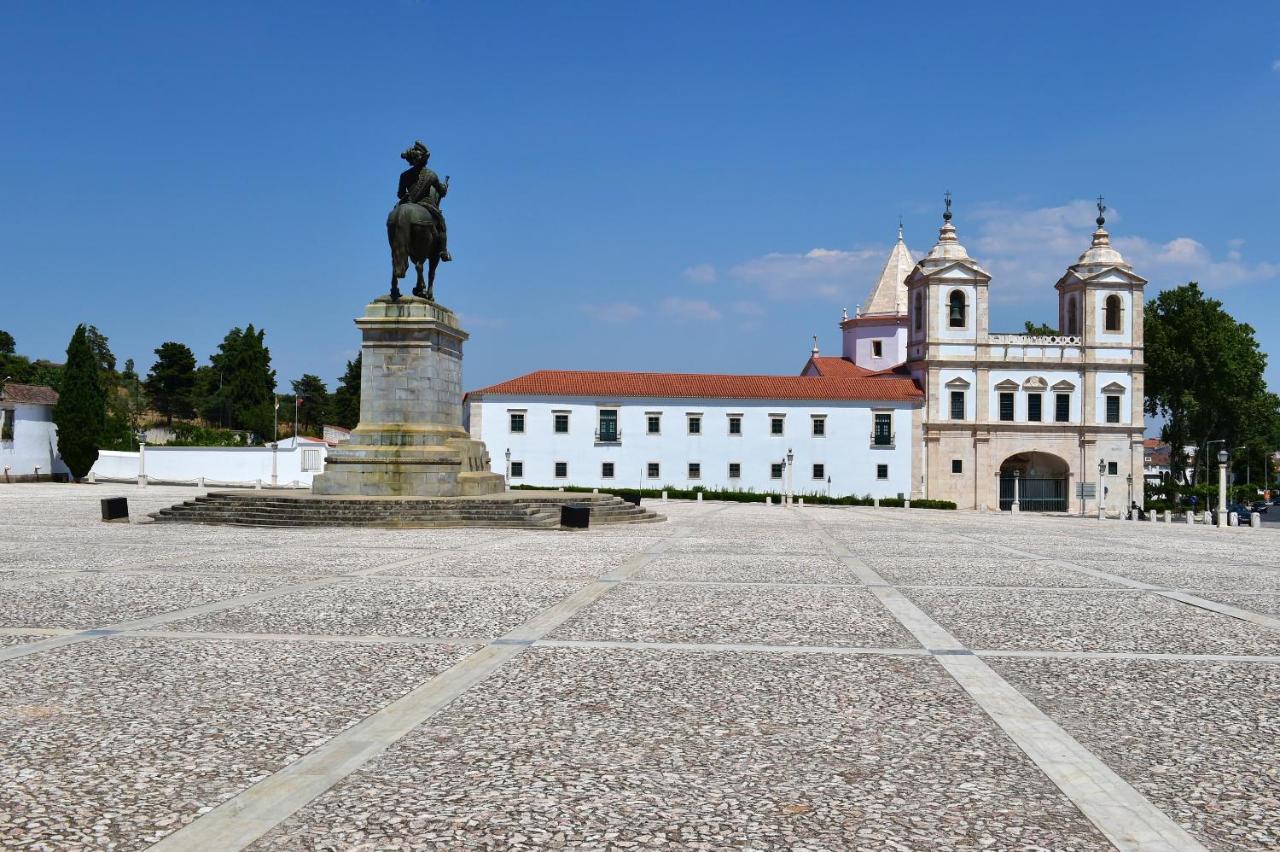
(410, 441)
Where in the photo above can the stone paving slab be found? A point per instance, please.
(20, 638)
(1088, 621)
(91, 600)
(440, 607)
(747, 568)
(1200, 739)
(615, 749)
(114, 743)
(316, 561)
(776, 615)
(978, 571)
(1268, 604)
(1206, 575)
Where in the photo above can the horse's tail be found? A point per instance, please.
(398, 236)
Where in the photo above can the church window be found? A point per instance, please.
(883, 434)
(819, 426)
(517, 470)
(562, 422)
(1112, 311)
(695, 424)
(877, 349)
(654, 470)
(957, 466)
(957, 405)
(775, 424)
(735, 470)
(775, 470)
(1062, 408)
(695, 470)
(1034, 407)
(735, 424)
(1113, 468)
(606, 470)
(1113, 408)
(517, 421)
(956, 309)
(919, 311)
(562, 470)
(819, 471)
(654, 423)
(882, 471)
(1006, 406)
(1073, 316)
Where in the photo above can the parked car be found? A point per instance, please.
(1259, 506)
(1242, 514)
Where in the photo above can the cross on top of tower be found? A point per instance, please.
(946, 216)
(1102, 208)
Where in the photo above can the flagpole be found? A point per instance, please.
(275, 422)
(297, 402)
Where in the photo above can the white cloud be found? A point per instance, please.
(748, 309)
(826, 273)
(1183, 259)
(689, 309)
(613, 312)
(703, 273)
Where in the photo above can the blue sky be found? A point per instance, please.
(685, 186)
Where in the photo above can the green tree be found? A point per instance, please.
(7, 344)
(344, 406)
(314, 405)
(1040, 330)
(247, 382)
(1204, 375)
(80, 414)
(172, 381)
(102, 353)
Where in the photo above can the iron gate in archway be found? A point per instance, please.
(1035, 493)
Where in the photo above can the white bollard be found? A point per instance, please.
(800, 501)
(1233, 520)
(1168, 516)
(1153, 516)
(1255, 520)
(93, 478)
(1189, 517)
(595, 490)
(699, 498)
(200, 481)
(664, 496)
(257, 486)
(877, 503)
(906, 504)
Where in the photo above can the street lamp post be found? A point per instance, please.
(275, 477)
(1102, 467)
(508, 455)
(1129, 480)
(1016, 505)
(790, 481)
(1222, 488)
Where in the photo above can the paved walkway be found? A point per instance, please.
(740, 677)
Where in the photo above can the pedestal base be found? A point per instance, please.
(410, 441)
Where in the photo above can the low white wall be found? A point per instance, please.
(216, 465)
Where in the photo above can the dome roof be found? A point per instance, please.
(1102, 253)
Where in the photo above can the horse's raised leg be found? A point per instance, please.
(431, 278)
(395, 289)
(419, 289)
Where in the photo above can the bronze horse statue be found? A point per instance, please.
(416, 228)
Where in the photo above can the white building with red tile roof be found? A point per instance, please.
(28, 438)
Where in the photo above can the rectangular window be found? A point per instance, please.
(562, 470)
(735, 424)
(517, 470)
(775, 470)
(957, 405)
(819, 471)
(695, 470)
(695, 424)
(877, 349)
(1034, 407)
(6, 424)
(561, 422)
(608, 428)
(1113, 409)
(1062, 408)
(735, 470)
(1006, 406)
(819, 426)
(654, 470)
(517, 421)
(655, 423)
(957, 466)
(1113, 468)
(882, 471)
(775, 424)
(606, 470)
(883, 434)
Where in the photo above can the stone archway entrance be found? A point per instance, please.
(1041, 482)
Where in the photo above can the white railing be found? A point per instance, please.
(1034, 339)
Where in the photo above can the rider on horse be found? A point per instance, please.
(420, 185)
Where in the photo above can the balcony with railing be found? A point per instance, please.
(608, 436)
(1052, 347)
(882, 440)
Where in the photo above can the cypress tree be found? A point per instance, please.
(345, 405)
(81, 412)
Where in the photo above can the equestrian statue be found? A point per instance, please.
(415, 227)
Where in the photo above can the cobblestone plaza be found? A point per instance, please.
(740, 676)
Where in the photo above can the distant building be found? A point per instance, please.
(28, 438)
(924, 401)
(1155, 460)
(336, 434)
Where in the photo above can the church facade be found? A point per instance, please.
(988, 420)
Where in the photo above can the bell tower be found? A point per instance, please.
(946, 299)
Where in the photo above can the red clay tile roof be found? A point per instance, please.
(830, 365)
(891, 388)
(28, 394)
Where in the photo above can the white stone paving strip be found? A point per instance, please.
(1164, 592)
(15, 651)
(1124, 815)
(241, 820)
(720, 647)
